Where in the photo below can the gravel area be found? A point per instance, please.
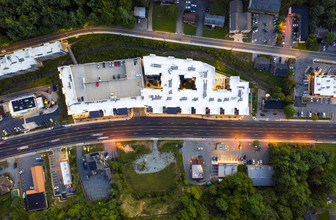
(153, 162)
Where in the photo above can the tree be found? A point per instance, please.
(289, 111)
(172, 11)
(196, 192)
(256, 142)
(315, 117)
(289, 100)
(221, 204)
(329, 37)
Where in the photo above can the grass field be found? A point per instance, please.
(92, 148)
(159, 182)
(189, 29)
(214, 33)
(161, 21)
(302, 46)
(324, 215)
(326, 146)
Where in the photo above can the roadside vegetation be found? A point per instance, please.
(23, 20)
(189, 29)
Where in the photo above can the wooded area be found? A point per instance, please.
(22, 19)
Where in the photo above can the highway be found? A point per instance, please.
(177, 38)
(160, 127)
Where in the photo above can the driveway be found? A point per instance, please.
(201, 5)
(150, 15)
(179, 20)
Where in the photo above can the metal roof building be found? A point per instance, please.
(214, 20)
(227, 169)
(325, 85)
(260, 175)
(66, 174)
(265, 6)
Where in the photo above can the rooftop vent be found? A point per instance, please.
(191, 68)
(156, 65)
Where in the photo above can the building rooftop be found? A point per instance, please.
(28, 58)
(320, 32)
(268, 6)
(140, 12)
(239, 21)
(197, 171)
(189, 18)
(38, 180)
(260, 175)
(166, 82)
(262, 63)
(227, 170)
(22, 104)
(303, 12)
(214, 20)
(236, 6)
(96, 163)
(325, 85)
(36, 202)
(5, 185)
(281, 69)
(273, 104)
(66, 173)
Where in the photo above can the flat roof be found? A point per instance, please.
(273, 104)
(260, 175)
(303, 12)
(325, 85)
(66, 174)
(140, 12)
(227, 170)
(197, 171)
(36, 201)
(95, 83)
(25, 59)
(217, 93)
(23, 103)
(38, 180)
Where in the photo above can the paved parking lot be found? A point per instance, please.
(96, 187)
(317, 104)
(252, 154)
(191, 150)
(263, 30)
(24, 165)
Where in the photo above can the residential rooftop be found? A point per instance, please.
(260, 175)
(265, 6)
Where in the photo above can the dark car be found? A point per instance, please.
(15, 165)
(244, 157)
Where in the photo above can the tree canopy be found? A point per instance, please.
(25, 19)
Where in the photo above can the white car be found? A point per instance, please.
(200, 148)
(188, 7)
(188, 2)
(193, 5)
(21, 171)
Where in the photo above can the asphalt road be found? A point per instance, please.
(178, 38)
(159, 127)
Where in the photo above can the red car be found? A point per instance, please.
(115, 63)
(265, 110)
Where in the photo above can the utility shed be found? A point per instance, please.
(260, 175)
(197, 171)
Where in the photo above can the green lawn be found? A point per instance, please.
(214, 33)
(302, 46)
(189, 29)
(324, 215)
(219, 7)
(151, 183)
(4, 164)
(92, 148)
(326, 146)
(5, 203)
(161, 21)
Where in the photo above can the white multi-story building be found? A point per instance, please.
(23, 105)
(325, 85)
(29, 59)
(160, 84)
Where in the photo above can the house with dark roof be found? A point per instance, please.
(239, 22)
(262, 63)
(189, 18)
(303, 14)
(214, 20)
(5, 185)
(273, 104)
(97, 163)
(36, 201)
(261, 175)
(265, 6)
(280, 69)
